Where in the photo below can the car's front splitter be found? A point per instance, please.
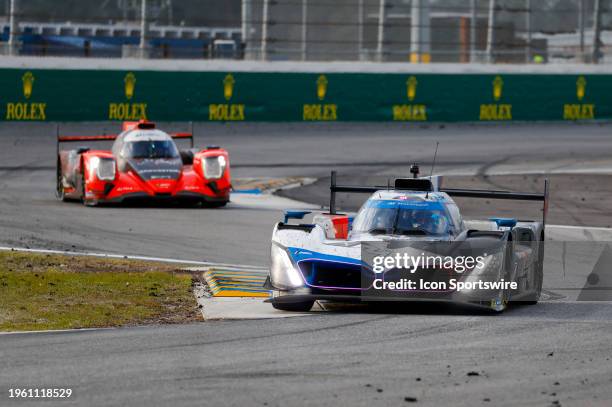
(306, 294)
(145, 197)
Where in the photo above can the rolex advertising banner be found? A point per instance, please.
(88, 95)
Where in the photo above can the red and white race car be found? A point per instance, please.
(144, 163)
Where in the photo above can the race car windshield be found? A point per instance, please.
(403, 221)
(151, 149)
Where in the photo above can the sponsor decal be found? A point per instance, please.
(410, 112)
(227, 111)
(26, 109)
(320, 111)
(496, 111)
(579, 110)
(128, 110)
(130, 85)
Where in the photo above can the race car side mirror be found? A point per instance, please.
(504, 222)
(290, 214)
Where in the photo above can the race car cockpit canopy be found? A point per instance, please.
(139, 144)
(150, 144)
(406, 216)
(150, 153)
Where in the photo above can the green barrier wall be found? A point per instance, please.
(79, 95)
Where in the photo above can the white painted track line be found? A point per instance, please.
(132, 257)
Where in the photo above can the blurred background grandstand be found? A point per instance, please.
(490, 31)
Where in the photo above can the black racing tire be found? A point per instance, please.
(500, 303)
(60, 193)
(302, 306)
(539, 279)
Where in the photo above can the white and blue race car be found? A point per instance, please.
(331, 257)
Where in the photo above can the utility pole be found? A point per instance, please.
(246, 19)
(243, 12)
(170, 9)
(473, 23)
(419, 32)
(360, 28)
(304, 29)
(143, 28)
(13, 28)
(596, 31)
(415, 31)
(491, 31)
(122, 4)
(264, 30)
(581, 28)
(528, 28)
(381, 29)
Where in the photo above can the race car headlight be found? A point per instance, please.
(94, 162)
(105, 169)
(282, 272)
(213, 167)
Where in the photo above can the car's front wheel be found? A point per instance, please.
(500, 302)
(302, 306)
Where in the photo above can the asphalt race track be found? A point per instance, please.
(558, 351)
(335, 359)
(31, 216)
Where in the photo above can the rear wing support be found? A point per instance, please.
(461, 193)
(334, 188)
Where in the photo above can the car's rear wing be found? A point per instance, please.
(425, 185)
(126, 126)
(111, 137)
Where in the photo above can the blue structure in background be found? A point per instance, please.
(112, 46)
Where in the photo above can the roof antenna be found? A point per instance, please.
(433, 165)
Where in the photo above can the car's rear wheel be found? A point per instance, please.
(60, 193)
(302, 306)
(59, 186)
(538, 278)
